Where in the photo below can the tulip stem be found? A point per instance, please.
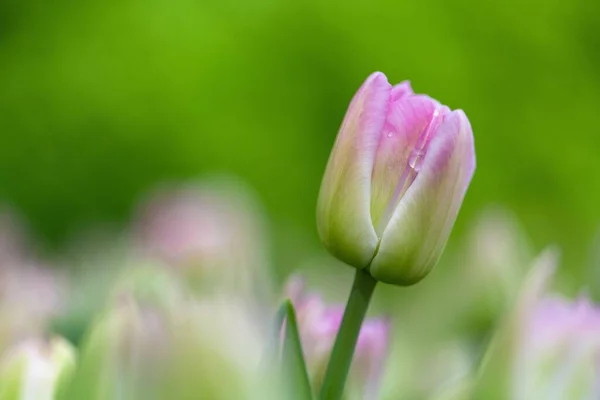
(345, 343)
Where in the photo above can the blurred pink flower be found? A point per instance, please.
(319, 322)
(31, 292)
(559, 353)
(30, 295)
(548, 347)
(557, 319)
(212, 231)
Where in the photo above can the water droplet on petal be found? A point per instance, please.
(390, 134)
(416, 159)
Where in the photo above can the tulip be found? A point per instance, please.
(37, 369)
(559, 351)
(212, 233)
(123, 354)
(547, 348)
(319, 322)
(30, 296)
(395, 180)
(31, 293)
(218, 353)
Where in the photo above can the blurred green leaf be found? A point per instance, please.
(293, 356)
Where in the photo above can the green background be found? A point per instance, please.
(100, 101)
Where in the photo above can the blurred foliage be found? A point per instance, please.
(101, 100)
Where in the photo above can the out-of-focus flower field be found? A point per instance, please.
(181, 303)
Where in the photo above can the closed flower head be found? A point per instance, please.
(395, 181)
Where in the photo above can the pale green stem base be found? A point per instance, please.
(343, 350)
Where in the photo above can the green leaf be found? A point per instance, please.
(295, 374)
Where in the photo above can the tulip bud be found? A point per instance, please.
(395, 180)
(37, 369)
(319, 324)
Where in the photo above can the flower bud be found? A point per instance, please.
(319, 324)
(37, 369)
(395, 180)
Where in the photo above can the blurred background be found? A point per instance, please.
(101, 102)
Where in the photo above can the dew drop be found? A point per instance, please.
(416, 160)
(390, 134)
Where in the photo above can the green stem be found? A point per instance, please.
(343, 350)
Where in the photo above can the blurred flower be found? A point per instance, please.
(37, 369)
(559, 351)
(395, 181)
(218, 353)
(547, 348)
(319, 323)
(123, 356)
(31, 293)
(155, 341)
(213, 233)
(127, 347)
(498, 252)
(149, 285)
(497, 257)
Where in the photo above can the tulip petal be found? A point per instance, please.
(400, 90)
(343, 210)
(407, 119)
(415, 236)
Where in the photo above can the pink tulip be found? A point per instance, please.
(548, 347)
(395, 181)
(211, 232)
(559, 351)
